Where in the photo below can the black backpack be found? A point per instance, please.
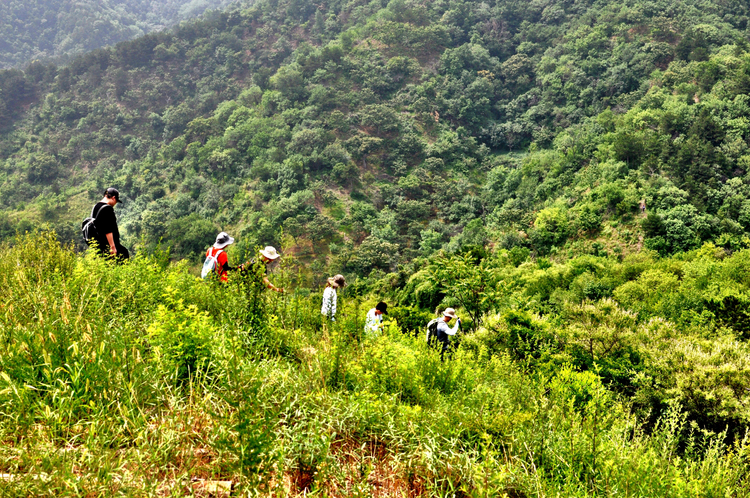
(432, 330)
(88, 227)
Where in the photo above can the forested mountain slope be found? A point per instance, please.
(571, 177)
(374, 133)
(59, 29)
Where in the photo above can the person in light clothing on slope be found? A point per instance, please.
(329, 296)
(444, 332)
(374, 320)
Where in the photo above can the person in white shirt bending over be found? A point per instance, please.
(374, 320)
(329, 296)
(444, 331)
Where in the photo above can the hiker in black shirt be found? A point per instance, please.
(108, 240)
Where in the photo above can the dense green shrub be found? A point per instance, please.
(410, 319)
(181, 337)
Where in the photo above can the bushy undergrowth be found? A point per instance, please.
(139, 380)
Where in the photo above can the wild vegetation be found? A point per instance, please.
(142, 379)
(570, 176)
(56, 31)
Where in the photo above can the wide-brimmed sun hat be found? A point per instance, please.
(450, 312)
(223, 240)
(333, 283)
(340, 280)
(270, 252)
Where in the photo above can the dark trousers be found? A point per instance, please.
(445, 349)
(442, 342)
(103, 249)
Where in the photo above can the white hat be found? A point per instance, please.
(223, 240)
(270, 252)
(450, 312)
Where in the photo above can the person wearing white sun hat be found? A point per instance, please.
(217, 259)
(328, 308)
(269, 255)
(439, 330)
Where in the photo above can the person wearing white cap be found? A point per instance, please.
(217, 259)
(269, 255)
(444, 331)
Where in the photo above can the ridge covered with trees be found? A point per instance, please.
(57, 30)
(377, 133)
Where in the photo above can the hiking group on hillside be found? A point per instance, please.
(101, 233)
(217, 261)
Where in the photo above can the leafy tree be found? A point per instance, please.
(605, 336)
(476, 287)
(373, 253)
(321, 228)
(190, 236)
(550, 228)
(430, 241)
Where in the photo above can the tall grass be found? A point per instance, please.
(138, 380)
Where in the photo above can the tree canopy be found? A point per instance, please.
(376, 134)
(57, 30)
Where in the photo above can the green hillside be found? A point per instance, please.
(571, 176)
(58, 30)
(374, 134)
